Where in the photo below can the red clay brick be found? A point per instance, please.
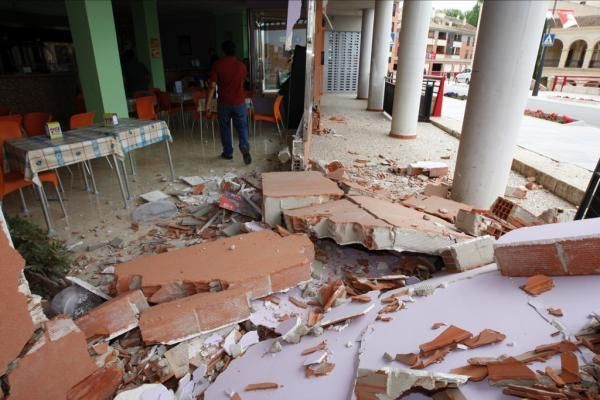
(101, 385)
(17, 325)
(58, 361)
(569, 248)
(178, 320)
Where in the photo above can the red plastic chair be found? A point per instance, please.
(14, 180)
(82, 120)
(144, 107)
(274, 118)
(35, 123)
(165, 105)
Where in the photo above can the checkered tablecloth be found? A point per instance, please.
(38, 154)
(132, 134)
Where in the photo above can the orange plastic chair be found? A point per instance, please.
(81, 120)
(274, 118)
(144, 107)
(14, 181)
(18, 118)
(35, 123)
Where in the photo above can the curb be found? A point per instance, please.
(554, 185)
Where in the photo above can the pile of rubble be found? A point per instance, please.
(230, 294)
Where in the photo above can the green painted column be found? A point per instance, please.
(147, 39)
(95, 39)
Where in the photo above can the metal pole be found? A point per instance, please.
(542, 51)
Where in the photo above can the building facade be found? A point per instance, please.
(450, 45)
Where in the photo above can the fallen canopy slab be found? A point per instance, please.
(285, 190)
(376, 224)
(261, 262)
(444, 208)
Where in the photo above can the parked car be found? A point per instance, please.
(464, 76)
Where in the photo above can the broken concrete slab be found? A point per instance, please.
(155, 195)
(57, 361)
(439, 190)
(374, 223)
(469, 254)
(115, 317)
(281, 263)
(440, 207)
(569, 248)
(18, 325)
(183, 319)
(285, 190)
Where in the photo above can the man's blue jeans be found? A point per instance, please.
(239, 115)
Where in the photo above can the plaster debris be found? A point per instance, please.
(469, 254)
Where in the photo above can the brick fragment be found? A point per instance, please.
(101, 385)
(538, 284)
(115, 317)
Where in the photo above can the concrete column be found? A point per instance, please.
(502, 68)
(380, 53)
(563, 57)
(147, 40)
(587, 58)
(95, 39)
(364, 64)
(412, 46)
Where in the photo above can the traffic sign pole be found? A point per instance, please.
(542, 53)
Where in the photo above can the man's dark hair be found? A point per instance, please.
(228, 48)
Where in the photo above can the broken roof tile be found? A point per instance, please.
(538, 284)
(569, 367)
(281, 263)
(475, 373)
(56, 362)
(261, 386)
(114, 317)
(485, 337)
(451, 336)
(511, 370)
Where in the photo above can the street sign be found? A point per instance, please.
(548, 40)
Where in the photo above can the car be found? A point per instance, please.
(464, 76)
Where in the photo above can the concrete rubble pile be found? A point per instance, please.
(303, 285)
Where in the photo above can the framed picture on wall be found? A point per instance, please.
(185, 45)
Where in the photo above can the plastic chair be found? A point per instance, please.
(274, 118)
(199, 113)
(81, 120)
(18, 118)
(165, 105)
(14, 181)
(144, 107)
(35, 123)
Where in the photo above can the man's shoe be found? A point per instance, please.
(226, 157)
(247, 158)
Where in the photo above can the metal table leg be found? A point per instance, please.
(88, 164)
(23, 203)
(132, 162)
(170, 160)
(45, 211)
(126, 179)
(116, 163)
(85, 179)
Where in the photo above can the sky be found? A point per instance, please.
(463, 5)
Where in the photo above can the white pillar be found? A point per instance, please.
(366, 41)
(412, 47)
(563, 57)
(502, 68)
(380, 53)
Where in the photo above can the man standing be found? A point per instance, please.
(228, 74)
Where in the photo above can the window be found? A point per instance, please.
(457, 38)
(440, 49)
(431, 34)
(442, 35)
(456, 51)
(468, 40)
(389, 60)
